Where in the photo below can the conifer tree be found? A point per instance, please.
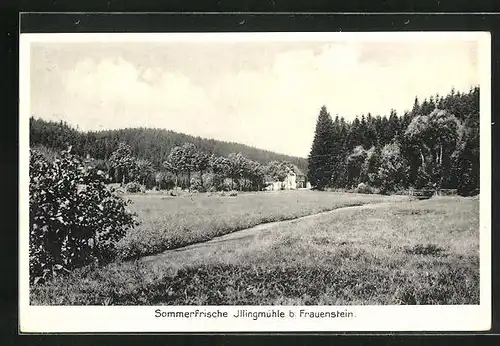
(416, 108)
(320, 157)
(370, 138)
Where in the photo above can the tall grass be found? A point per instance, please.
(171, 222)
(424, 252)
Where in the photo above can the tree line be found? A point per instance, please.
(187, 166)
(146, 143)
(435, 145)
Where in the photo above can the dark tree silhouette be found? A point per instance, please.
(320, 157)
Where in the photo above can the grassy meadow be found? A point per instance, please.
(170, 222)
(389, 251)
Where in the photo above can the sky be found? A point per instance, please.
(264, 94)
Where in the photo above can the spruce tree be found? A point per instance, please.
(320, 158)
(370, 138)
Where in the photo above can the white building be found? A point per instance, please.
(290, 182)
(294, 180)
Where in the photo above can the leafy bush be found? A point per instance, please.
(209, 182)
(356, 165)
(392, 169)
(364, 188)
(98, 164)
(48, 153)
(195, 184)
(164, 180)
(74, 218)
(214, 182)
(233, 193)
(134, 187)
(226, 184)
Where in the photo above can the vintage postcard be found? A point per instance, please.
(232, 182)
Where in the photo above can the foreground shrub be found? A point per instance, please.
(233, 193)
(49, 154)
(74, 218)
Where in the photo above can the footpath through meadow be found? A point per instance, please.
(242, 237)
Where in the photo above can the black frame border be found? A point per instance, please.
(31, 22)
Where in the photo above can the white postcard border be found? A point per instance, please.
(57, 319)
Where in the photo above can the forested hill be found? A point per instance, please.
(153, 144)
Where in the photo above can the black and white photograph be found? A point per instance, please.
(322, 177)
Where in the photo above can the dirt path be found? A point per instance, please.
(199, 249)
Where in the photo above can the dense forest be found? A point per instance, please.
(146, 143)
(435, 145)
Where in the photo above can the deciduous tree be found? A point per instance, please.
(436, 136)
(175, 163)
(202, 163)
(392, 168)
(122, 161)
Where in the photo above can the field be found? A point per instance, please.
(382, 250)
(170, 222)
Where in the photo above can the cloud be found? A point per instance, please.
(119, 94)
(272, 106)
(283, 103)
